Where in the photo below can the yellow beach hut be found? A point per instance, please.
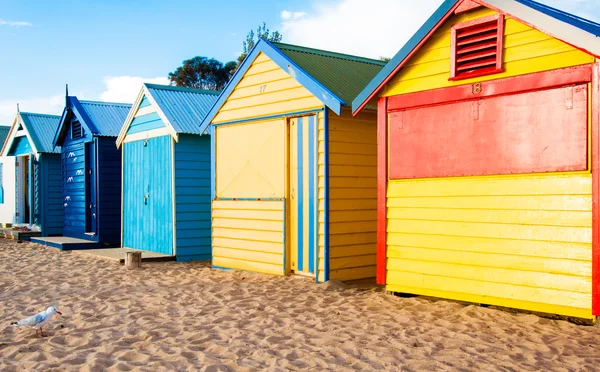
(294, 184)
(489, 128)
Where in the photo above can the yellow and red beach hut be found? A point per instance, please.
(488, 158)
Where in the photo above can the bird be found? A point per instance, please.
(37, 321)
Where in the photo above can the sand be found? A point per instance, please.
(181, 316)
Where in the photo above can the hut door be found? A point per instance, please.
(303, 201)
(90, 190)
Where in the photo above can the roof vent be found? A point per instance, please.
(76, 130)
(477, 47)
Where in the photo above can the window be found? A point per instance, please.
(477, 47)
(76, 130)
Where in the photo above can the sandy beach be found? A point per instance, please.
(184, 317)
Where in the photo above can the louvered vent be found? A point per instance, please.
(76, 130)
(477, 47)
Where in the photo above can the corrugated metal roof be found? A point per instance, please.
(4, 130)
(344, 75)
(185, 108)
(42, 129)
(107, 117)
(581, 23)
(574, 30)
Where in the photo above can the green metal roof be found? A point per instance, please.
(344, 75)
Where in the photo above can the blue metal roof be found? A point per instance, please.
(4, 130)
(41, 128)
(185, 108)
(440, 14)
(106, 117)
(581, 23)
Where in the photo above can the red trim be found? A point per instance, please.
(465, 6)
(595, 97)
(511, 85)
(408, 57)
(382, 129)
(455, 74)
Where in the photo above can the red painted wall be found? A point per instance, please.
(540, 131)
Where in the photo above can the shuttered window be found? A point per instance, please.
(477, 47)
(76, 130)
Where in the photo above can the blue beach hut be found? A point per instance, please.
(166, 173)
(91, 173)
(36, 183)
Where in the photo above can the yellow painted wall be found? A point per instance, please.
(525, 51)
(251, 160)
(515, 241)
(249, 235)
(266, 90)
(353, 195)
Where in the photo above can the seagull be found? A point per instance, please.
(38, 320)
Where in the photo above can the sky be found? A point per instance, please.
(105, 49)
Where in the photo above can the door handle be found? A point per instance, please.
(146, 199)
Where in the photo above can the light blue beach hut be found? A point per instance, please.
(166, 173)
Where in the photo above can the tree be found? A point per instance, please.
(384, 59)
(203, 73)
(262, 32)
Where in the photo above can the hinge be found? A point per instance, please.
(17, 163)
(17, 214)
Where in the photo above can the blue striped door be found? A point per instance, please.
(304, 189)
(147, 195)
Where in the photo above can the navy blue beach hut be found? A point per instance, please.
(166, 173)
(91, 170)
(36, 185)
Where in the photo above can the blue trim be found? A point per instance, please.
(284, 239)
(375, 84)
(316, 88)
(222, 268)
(213, 164)
(300, 198)
(75, 107)
(261, 118)
(250, 199)
(326, 189)
(311, 194)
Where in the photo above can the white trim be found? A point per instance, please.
(162, 115)
(14, 133)
(147, 134)
(548, 25)
(133, 113)
(122, 195)
(173, 196)
(130, 116)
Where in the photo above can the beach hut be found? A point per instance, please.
(166, 173)
(91, 173)
(30, 183)
(294, 188)
(488, 158)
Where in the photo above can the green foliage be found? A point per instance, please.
(262, 32)
(203, 73)
(384, 59)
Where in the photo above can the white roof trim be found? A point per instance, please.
(548, 25)
(133, 111)
(13, 134)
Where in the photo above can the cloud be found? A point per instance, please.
(126, 88)
(43, 105)
(286, 15)
(378, 28)
(14, 24)
(372, 29)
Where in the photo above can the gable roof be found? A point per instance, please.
(181, 109)
(39, 129)
(102, 119)
(566, 27)
(334, 78)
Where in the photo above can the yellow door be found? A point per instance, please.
(303, 195)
